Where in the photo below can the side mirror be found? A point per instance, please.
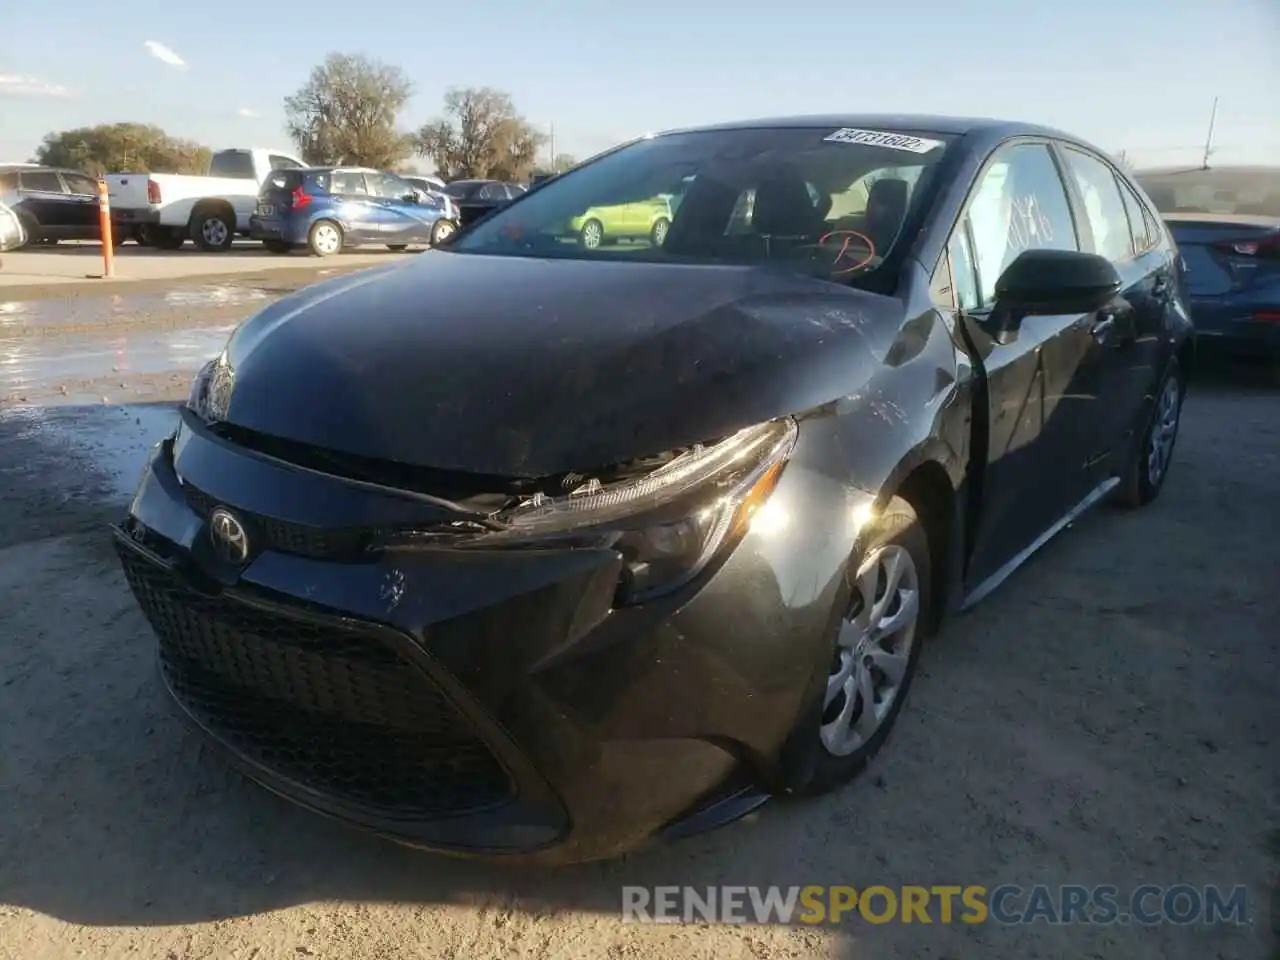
(1047, 282)
(415, 197)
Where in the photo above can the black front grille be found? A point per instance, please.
(319, 543)
(331, 707)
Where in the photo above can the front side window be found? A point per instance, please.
(748, 196)
(1105, 214)
(386, 186)
(1020, 204)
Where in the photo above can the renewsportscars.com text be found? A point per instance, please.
(1009, 904)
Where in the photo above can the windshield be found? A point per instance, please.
(461, 189)
(822, 201)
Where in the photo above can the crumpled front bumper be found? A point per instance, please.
(585, 730)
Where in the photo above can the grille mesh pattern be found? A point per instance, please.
(328, 707)
(320, 543)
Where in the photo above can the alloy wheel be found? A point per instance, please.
(592, 235)
(1164, 431)
(873, 650)
(214, 231)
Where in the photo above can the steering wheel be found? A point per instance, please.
(849, 250)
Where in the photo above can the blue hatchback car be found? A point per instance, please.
(328, 208)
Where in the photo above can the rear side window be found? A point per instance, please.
(1107, 220)
(233, 165)
(1140, 225)
(317, 183)
(43, 181)
(348, 183)
(278, 180)
(81, 184)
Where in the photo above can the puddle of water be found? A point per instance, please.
(109, 442)
(27, 364)
(103, 308)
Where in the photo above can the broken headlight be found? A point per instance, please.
(210, 394)
(667, 523)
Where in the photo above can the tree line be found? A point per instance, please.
(346, 113)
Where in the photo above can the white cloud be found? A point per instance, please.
(16, 85)
(164, 54)
(248, 114)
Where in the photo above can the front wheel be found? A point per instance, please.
(658, 232)
(324, 239)
(1147, 470)
(876, 647)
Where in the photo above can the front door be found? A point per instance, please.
(1042, 379)
(363, 218)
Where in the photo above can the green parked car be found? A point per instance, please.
(645, 220)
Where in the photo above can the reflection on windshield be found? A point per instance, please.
(793, 197)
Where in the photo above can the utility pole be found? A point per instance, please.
(1208, 143)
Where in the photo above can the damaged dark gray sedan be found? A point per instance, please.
(573, 535)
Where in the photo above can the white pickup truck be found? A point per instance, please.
(164, 210)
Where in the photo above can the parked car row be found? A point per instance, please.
(263, 194)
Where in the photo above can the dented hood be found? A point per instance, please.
(533, 367)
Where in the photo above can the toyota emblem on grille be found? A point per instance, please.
(230, 540)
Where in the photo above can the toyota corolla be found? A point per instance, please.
(532, 548)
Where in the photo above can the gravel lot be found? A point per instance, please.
(1109, 716)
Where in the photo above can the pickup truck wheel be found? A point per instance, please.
(214, 228)
(166, 238)
(324, 239)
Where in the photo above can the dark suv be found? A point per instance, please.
(53, 204)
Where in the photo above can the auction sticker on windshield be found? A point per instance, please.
(880, 138)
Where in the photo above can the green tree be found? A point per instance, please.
(122, 148)
(347, 110)
(480, 135)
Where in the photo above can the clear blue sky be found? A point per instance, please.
(1138, 75)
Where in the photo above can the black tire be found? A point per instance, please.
(441, 231)
(278, 246)
(591, 236)
(1138, 486)
(213, 228)
(317, 241)
(658, 232)
(167, 238)
(397, 247)
(897, 526)
(144, 236)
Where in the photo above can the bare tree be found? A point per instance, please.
(347, 110)
(480, 135)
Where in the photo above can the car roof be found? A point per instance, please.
(924, 122)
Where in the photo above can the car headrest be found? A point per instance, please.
(783, 207)
(887, 201)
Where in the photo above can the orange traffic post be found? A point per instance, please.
(104, 226)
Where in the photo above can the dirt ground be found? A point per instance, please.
(1108, 716)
